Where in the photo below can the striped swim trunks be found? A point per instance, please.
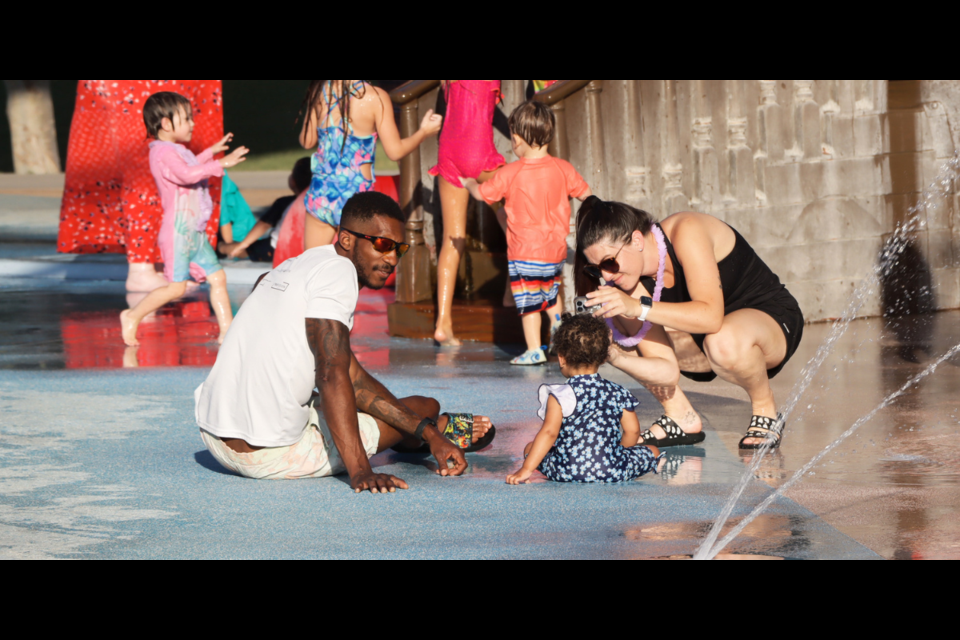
(534, 284)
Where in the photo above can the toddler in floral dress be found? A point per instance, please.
(590, 431)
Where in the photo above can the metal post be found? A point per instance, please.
(413, 275)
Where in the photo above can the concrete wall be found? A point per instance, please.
(814, 173)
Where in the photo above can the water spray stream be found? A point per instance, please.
(813, 461)
(893, 248)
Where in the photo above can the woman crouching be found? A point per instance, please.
(695, 274)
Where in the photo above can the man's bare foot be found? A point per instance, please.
(444, 337)
(690, 423)
(143, 278)
(128, 329)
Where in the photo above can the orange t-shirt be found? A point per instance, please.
(537, 193)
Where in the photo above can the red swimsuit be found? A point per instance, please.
(466, 141)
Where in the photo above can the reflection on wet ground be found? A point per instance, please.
(893, 488)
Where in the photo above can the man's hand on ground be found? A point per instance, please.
(444, 450)
(377, 483)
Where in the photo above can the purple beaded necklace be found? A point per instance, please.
(632, 341)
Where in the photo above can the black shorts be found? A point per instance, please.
(783, 308)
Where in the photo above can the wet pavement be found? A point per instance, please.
(100, 456)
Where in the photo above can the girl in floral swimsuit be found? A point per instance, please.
(590, 432)
(343, 163)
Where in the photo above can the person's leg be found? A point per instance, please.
(677, 407)
(554, 313)
(316, 233)
(130, 319)
(749, 342)
(453, 202)
(531, 329)
(142, 277)
(425, 408)
(220, 301)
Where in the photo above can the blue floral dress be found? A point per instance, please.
(336, 168)
(588, 447)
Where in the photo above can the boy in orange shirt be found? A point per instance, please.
(536, 189)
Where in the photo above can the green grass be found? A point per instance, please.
(284, 160)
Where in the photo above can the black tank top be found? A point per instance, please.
(746, 280)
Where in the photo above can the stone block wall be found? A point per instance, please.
(815, 174)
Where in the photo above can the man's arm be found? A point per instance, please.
(329, 341)
(375, 399)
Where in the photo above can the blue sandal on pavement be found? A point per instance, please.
(530, 357)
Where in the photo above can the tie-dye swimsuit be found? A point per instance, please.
(336, 166)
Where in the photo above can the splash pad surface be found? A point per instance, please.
(100, 460)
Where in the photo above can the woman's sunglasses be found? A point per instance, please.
(610, 265)
(383, 245)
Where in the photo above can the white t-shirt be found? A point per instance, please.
(260, 385)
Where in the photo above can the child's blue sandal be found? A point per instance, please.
(530, 357)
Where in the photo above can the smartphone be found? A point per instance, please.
(580, 305)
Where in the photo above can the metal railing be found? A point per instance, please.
(413, 276)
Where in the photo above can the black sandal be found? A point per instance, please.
(766, 429)
(676, 437)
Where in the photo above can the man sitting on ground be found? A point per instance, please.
(255, 411)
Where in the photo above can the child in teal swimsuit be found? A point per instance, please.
(346, 144)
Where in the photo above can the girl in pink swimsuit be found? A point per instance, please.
(466, 150)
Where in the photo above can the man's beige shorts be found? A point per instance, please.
(315, 456)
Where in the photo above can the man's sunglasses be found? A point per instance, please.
(610, 265)
(383, 245)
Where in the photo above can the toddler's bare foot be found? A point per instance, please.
(444, 337)
(128, 329)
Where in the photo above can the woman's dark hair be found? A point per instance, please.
(163, 104)
(582, 340)
(315, 94)
(599, 221)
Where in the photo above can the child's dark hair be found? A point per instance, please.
(302, 174)
(364, 206)
(163, 104)
(534, 122)
(582, 340)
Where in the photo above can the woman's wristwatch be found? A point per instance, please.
(646, 302)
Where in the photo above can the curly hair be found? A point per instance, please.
(582, 340)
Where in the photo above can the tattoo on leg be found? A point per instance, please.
(661, 393)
